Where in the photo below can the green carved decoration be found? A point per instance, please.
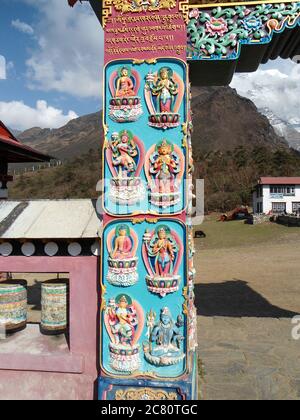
(219, 33)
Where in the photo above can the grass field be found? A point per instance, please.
(237, 234)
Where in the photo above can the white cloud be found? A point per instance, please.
(276, 86)
(2, 68)
(20, 116)
(68, 52)
(22, 27)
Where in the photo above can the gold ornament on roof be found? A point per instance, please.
(126, 6)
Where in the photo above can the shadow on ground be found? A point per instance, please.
(234, 298)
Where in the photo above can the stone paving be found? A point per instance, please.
(244, 326)
(248, 358)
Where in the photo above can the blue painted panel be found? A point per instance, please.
(145, 136)
(112, 389)
(140, 300)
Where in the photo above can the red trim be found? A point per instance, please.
(6, 133)
(279, 181)
(72, 2)
(6, 178)
(8, 138)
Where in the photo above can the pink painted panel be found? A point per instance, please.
(83, 356)
(146, 34)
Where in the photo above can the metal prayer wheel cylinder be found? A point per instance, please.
(13, 307)
(54, 317)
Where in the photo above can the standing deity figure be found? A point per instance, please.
(122, 244)
(165, 166)
(165, 337)
(164, 91)
(162, 253)
(124, 321)
(125, 104)
(124, 157)
(164, 88)
(163, 248)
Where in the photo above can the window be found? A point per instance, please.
(259, 191)
(259, 208)
(40, 308)
(279, 207)
(296, 207)
(282, 189)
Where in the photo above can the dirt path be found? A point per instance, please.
(246, 298)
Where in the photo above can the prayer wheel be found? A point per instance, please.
(54, 317)
(13, 307)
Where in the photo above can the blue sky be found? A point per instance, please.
(51, 67)
(53, 62)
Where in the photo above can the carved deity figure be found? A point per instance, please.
(124, 150)
(125, 86)
(164, 166)
(162, 253)
(163, 248)
(125, 104)
(165, 337)
(122, 320)
(123, 244)
(164, 88)
(164, 92)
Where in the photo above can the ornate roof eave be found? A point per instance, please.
(97, 6)
(13, 151)
(238, 47)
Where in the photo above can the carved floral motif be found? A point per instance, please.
(149, 394)
(219, 33)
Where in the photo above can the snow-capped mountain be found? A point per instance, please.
(289, 130)
(295, 123)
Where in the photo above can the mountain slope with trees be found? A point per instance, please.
(233, 146)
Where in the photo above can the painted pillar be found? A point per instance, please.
(148, 319)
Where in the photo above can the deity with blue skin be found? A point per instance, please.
(164, 347)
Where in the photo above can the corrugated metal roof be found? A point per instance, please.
(49, 219)
(279, 180)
